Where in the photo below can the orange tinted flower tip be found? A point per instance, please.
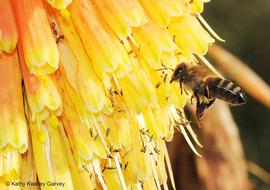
(8, 30)
(13, 127)
(38, 44)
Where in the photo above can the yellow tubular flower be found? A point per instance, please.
(190, 36)
(119, 130)
(98, 99)
(28, 170)
(59, 4)
(78, 70)
(49, 153)
(10, 165)
(13, 130)
(138, 165)
(38, 45)
(41, 91)
(153, 41)
(197, 6)
(101, 45)
(82, 136)
(133, 93)
(121, 15)
(161, 11)
(8, 29)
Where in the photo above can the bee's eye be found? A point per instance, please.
(179, 72)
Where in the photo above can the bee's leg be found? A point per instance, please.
(191, 99)
(200, 110)
(207, 95)
(200, 107)
(210, 103)
(186, 92)
(181, 88)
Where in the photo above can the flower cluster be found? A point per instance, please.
(95, 107)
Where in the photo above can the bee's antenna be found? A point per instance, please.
(162, 69)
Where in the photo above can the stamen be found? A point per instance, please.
(116, 83)
(165, 186)
(188, 140)
(139, 187)
(133, 40)
(206, 62)
(201, 19)
(169, 166)
(120, 172)
(96, 166)
(194, 136)
(154, 160)
(48, 150)
(155, 174)
(182, 130)
(100, 134)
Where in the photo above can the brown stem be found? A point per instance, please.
(222, 165)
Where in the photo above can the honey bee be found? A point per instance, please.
(206, 87)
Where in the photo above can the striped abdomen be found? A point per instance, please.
(225, 90)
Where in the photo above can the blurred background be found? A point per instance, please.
(245, 25)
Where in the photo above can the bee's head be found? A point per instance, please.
(179, 73)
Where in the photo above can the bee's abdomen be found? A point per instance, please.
(225, 90)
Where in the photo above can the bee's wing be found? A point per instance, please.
(200, 72)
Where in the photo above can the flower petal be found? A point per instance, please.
(13, 129)
(8, 29)
(190, 36)
(38, 44)
(104, 49)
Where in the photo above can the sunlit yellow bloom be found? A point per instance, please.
(98, 102)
